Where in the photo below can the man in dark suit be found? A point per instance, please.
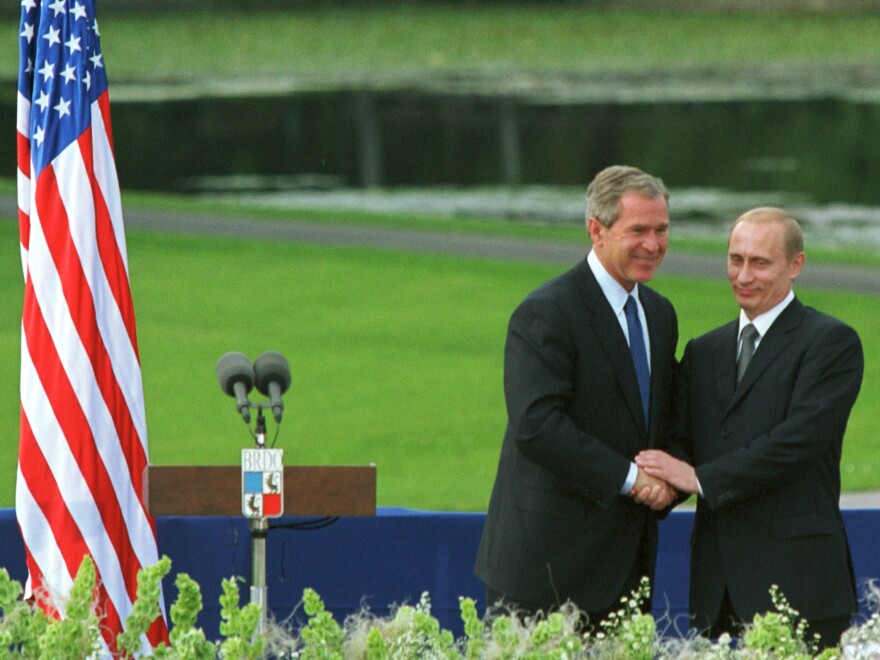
(563, 521)
(764, 402)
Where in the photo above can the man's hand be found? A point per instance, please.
(661, 465)
(652, 492)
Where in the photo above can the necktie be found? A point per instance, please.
(639, 354)
(746, 351)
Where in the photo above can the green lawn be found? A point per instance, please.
(353, 44)
(395, 357)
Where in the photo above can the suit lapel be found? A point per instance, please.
(770, 347)
(724, 354)
(610, 338)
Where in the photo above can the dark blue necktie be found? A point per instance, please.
(639, 354)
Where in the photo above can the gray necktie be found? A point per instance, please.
(749, 335)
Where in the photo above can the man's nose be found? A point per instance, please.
(744, 274)
(651, 242)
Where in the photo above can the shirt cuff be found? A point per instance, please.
(630, 479)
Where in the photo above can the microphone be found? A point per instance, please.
(272, 374)
(236, 377)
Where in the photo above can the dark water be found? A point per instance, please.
(823, 151)
(826, 151)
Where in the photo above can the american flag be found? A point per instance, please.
(83, 442)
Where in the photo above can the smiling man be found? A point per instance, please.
(588, 368)
(762, 406)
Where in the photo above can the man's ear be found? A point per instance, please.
(594, 229)
(797, 265)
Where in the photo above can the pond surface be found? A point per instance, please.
(510, 157)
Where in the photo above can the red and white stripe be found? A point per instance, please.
(83, 445)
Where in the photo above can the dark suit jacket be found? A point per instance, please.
(767, 455)
(557, 527)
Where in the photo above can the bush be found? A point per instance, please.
(411, 631)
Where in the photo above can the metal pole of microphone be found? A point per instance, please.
(259, 528)
(262, 468)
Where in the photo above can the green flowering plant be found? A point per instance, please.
(76, 634)
(411, 631)
(27, 631)
(554, 637)
(780, 633)
(322, 638)
(474, 629)
(239, 625)
(628, 632)
(186, 640)
(863, 642)
(506, 634)
(20, 625)
(146, 606)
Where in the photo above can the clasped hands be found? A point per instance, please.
(660, 478)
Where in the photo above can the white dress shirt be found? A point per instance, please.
(617, 296)
(762, 322)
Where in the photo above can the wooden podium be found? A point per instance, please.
(216, 490)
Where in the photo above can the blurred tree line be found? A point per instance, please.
(798, 6)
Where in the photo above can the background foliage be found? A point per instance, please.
(372, 41)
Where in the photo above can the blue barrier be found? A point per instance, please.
(389, 560)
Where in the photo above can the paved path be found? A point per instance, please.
(861, 500)
(864, 500)
(836, 277)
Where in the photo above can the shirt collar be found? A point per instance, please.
(615, 294)
(762, 322)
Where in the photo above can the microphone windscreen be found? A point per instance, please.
(271, 367)
(232, 368)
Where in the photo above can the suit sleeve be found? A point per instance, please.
(826, 383)
(539, 364)
(676, 442)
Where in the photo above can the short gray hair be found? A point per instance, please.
(609, 185)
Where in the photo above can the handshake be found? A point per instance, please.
(661, 478)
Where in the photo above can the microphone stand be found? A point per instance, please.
(271, 374)
(259, 528)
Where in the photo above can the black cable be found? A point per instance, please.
(307, 525)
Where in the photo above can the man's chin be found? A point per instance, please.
(747, 305)
(645, 274)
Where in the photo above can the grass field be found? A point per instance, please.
(352, 44)
(396, 357)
